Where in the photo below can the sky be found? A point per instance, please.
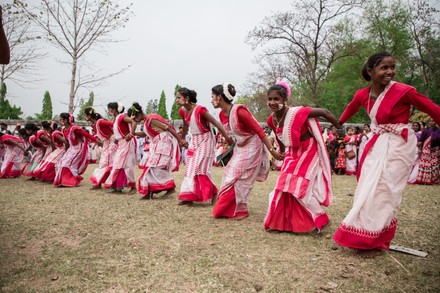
(194, 43)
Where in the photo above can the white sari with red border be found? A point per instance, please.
(124, 159)
(197, 183)
(74, 161)
(305, 178)
(13, 157)
(382, 176)
(249, 163)
(108, 150)
(163, 158)
(29, 167)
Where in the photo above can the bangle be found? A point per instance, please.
(271, 149)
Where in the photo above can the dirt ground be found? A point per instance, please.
(74, 239)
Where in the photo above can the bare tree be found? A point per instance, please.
(304, 38)
(25, 52)
(75, 27)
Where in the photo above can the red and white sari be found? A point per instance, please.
(304, 183)
(43, 163)
(429, 165)
(249, 163)
(163, 158)
(383, 172)
(124, 159)
(197, 184)
(54, 159)
(13, 157)
(351, 164)
(75, 159)
(29, 167)
(109, 148)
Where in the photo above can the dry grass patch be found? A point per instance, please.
(74, 239)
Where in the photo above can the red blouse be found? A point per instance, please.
(399, 113)
(246, 122)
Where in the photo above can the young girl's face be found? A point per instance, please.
(181, 100)
(275, 101)
(350, 131)
(63, 121)
(215, 100)
(383, 72)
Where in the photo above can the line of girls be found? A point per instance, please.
(304, 184)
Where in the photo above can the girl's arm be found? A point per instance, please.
(219, 126)
(321, 112)
(164, 127)
(48, 141)
(19, 145)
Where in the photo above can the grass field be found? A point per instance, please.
(73, 239)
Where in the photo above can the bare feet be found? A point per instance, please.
(241, 217)
(116, 191)
(184, 202)
(169, 192)
(95, 187)
(132, 191)
(368, 253)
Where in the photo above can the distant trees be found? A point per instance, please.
(8, 111)
(175, 108)
(162, 109)
(320, 49)
(84, 105)
(46, 112)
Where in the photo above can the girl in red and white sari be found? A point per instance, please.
(13, 155)
(104, 131)
(250, 160)
(75, 160)
(45, 136)
(39, 150)
(305, 182)
(387, 159)
(124, 159)
(164, 156)
(350, 145)
(53, 161)
(429, 167)
(197, 185)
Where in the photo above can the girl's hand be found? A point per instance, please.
(183, 143)
(128, 137)
(276, 155)
(229, 141)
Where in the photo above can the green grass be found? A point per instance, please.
(73, 239)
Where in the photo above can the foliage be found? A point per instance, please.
(162, 109)
(46, 112)
(256, 104)
(175, 108)
(8, 111)
(84, 105)
(152, 106)
(75, 27)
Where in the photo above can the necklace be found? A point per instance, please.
(278, 122)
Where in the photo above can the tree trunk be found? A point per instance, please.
(2, 80)
(72, 86)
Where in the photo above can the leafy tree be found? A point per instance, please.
(46, 112)
(6, 110)
(175, 108)
(75, 27)
(162, 109)
(303, 38)
(257, 105)
(85, 105)
(152, 106)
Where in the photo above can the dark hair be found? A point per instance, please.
(192, 95)
(372, 62)
(3, 124)
(134, 110)
(115, 106)
(54, 126)
(282, 91)
(22, 132)
(31, 126)
(218, 90)
(92, 113)
(349, 127)
(367, 125)
(45, 124)
(68, 117)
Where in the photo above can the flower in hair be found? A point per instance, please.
(226, 92)
(120, 107)
(284, 85)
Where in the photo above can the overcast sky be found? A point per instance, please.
(193, 43)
